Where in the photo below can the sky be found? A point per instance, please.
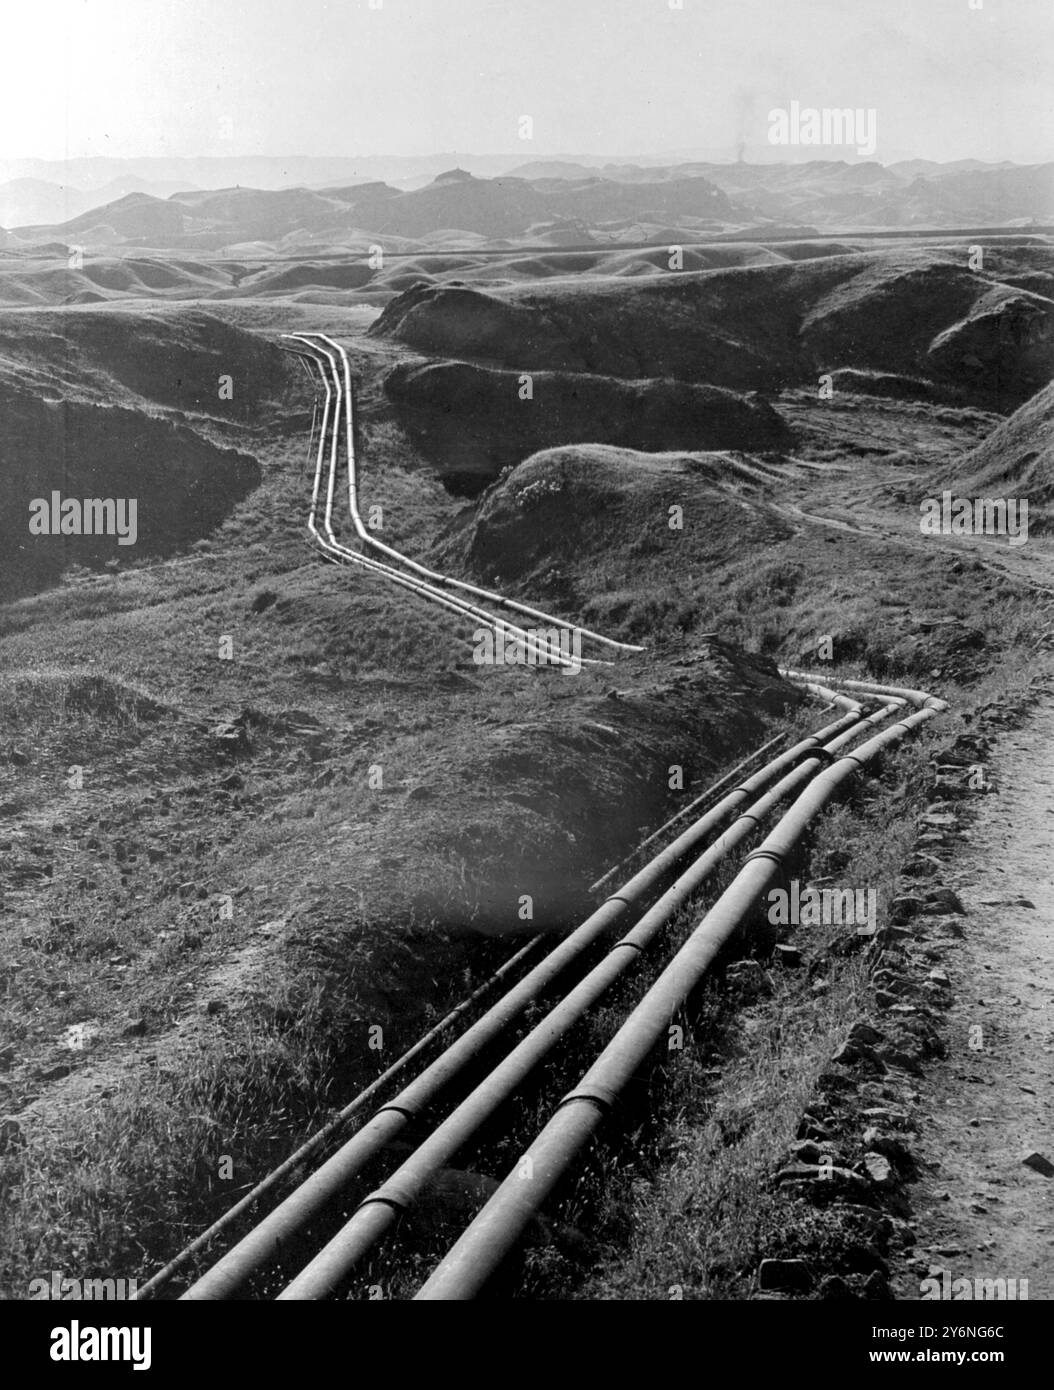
(947, 79)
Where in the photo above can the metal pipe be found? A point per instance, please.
(712, 790)
(263, 1245)
(822, 692)
(492, 1235)
(920, 698)
(433, 575)
(331, 1127)
(339, 552)
(379, 1211)
(530, 642)
(336, 551)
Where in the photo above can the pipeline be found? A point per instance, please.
(501, 1221)
(333, 1126)
(824, 692)
(370, 540)
(342, 554)
(921, 699)
(530, 642)
(820, 691)
(263, 1245)
(344, 396)
(719, 785)
(490, 1238)
(379, 1211)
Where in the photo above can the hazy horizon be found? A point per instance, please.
(603, 79)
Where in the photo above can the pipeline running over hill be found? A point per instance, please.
(262, 1246)
(322, 352)
(343, 555)
(816, 763)
(473, 1259)
(648, 902)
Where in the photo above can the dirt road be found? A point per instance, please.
(981, 1211)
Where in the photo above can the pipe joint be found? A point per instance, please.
(602, 1098)
(762, 853)
(403, 1110)
(385, 1197)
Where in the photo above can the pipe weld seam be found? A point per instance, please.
(774, 855)
(376, 1199)
(605, 1104)
(396, 1109)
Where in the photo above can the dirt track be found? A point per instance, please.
(990, 1102)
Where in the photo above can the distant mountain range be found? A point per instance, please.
(29, 201)
(834, 193)
(559, 202)
(501, 210)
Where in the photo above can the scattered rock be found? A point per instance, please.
(879, 1169)
(806, 1151)
(833, 1081)
(11, 1135)
(851, 1052)
(940, 900)
(886, 1144)
(895, 1119)
(810, 1128)
(748, 980)
(787, 955)
(903, 908)
(55, 1073)
(922, 866)
(823, 1181)
(262, 600)
(230, 740)
(784, 1274)
(1039, 1164)
(866, 1034)
(833, 1286)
